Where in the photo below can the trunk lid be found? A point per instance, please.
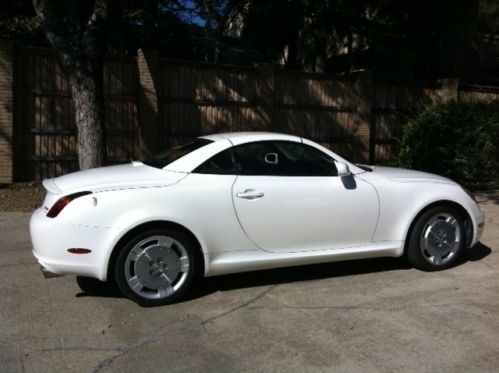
(132, 175)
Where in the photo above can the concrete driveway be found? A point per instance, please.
(363, 316)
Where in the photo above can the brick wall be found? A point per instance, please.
(6, 108)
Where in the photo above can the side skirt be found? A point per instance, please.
(243, 261)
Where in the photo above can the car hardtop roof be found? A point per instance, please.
(222, 141)
(242, 137)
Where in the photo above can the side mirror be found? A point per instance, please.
(342, 168)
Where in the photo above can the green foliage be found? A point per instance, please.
(420, 40)
(488, 16)
(458, 140)
(18, 22)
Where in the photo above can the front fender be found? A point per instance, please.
(401, 203)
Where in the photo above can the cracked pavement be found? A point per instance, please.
(362, 316)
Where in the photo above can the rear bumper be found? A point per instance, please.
(51, 239)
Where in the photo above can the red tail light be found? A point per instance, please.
(63, 202)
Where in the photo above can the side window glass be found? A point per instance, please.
(282, 158)
(257, 158)
(219, 164)
(305, 160)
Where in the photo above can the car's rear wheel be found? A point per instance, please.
(157, 267)
(437, 239)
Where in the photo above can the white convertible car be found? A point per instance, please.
(240, 202)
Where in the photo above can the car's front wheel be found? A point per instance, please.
(156, 267)
(437, 239)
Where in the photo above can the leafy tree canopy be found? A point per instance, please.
(415, 39)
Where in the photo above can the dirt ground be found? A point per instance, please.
(21, 197)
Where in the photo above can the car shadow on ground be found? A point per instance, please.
(95, 288)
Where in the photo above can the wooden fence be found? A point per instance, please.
(203, 98)
(152, 103)
(44, 130)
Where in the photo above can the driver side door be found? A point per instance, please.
(289, 198)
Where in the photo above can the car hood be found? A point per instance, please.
(132, 175)
(409, 176)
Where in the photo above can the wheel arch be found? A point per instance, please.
(465, 215)
(154, 224)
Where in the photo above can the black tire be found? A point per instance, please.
(153, 288)
(432, 234)
(92, 286)
(89, 285)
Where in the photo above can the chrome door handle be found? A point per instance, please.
(250, 194)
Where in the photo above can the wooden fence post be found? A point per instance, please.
(365, 132)
(148, 71)
(265, 91)
(449, 90)
(6, 109)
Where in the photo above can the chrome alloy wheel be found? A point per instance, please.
(440, 238)
(156, 267)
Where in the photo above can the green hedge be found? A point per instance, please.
(459, 140)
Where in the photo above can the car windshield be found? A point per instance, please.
(168, 156)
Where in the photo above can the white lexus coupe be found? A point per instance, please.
(239, 202)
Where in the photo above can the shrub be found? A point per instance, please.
(459, 140)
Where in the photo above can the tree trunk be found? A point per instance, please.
(73, 28)
(89, 109)
(351, 64)
(320, 50)
(320, 63)
(217, 50)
